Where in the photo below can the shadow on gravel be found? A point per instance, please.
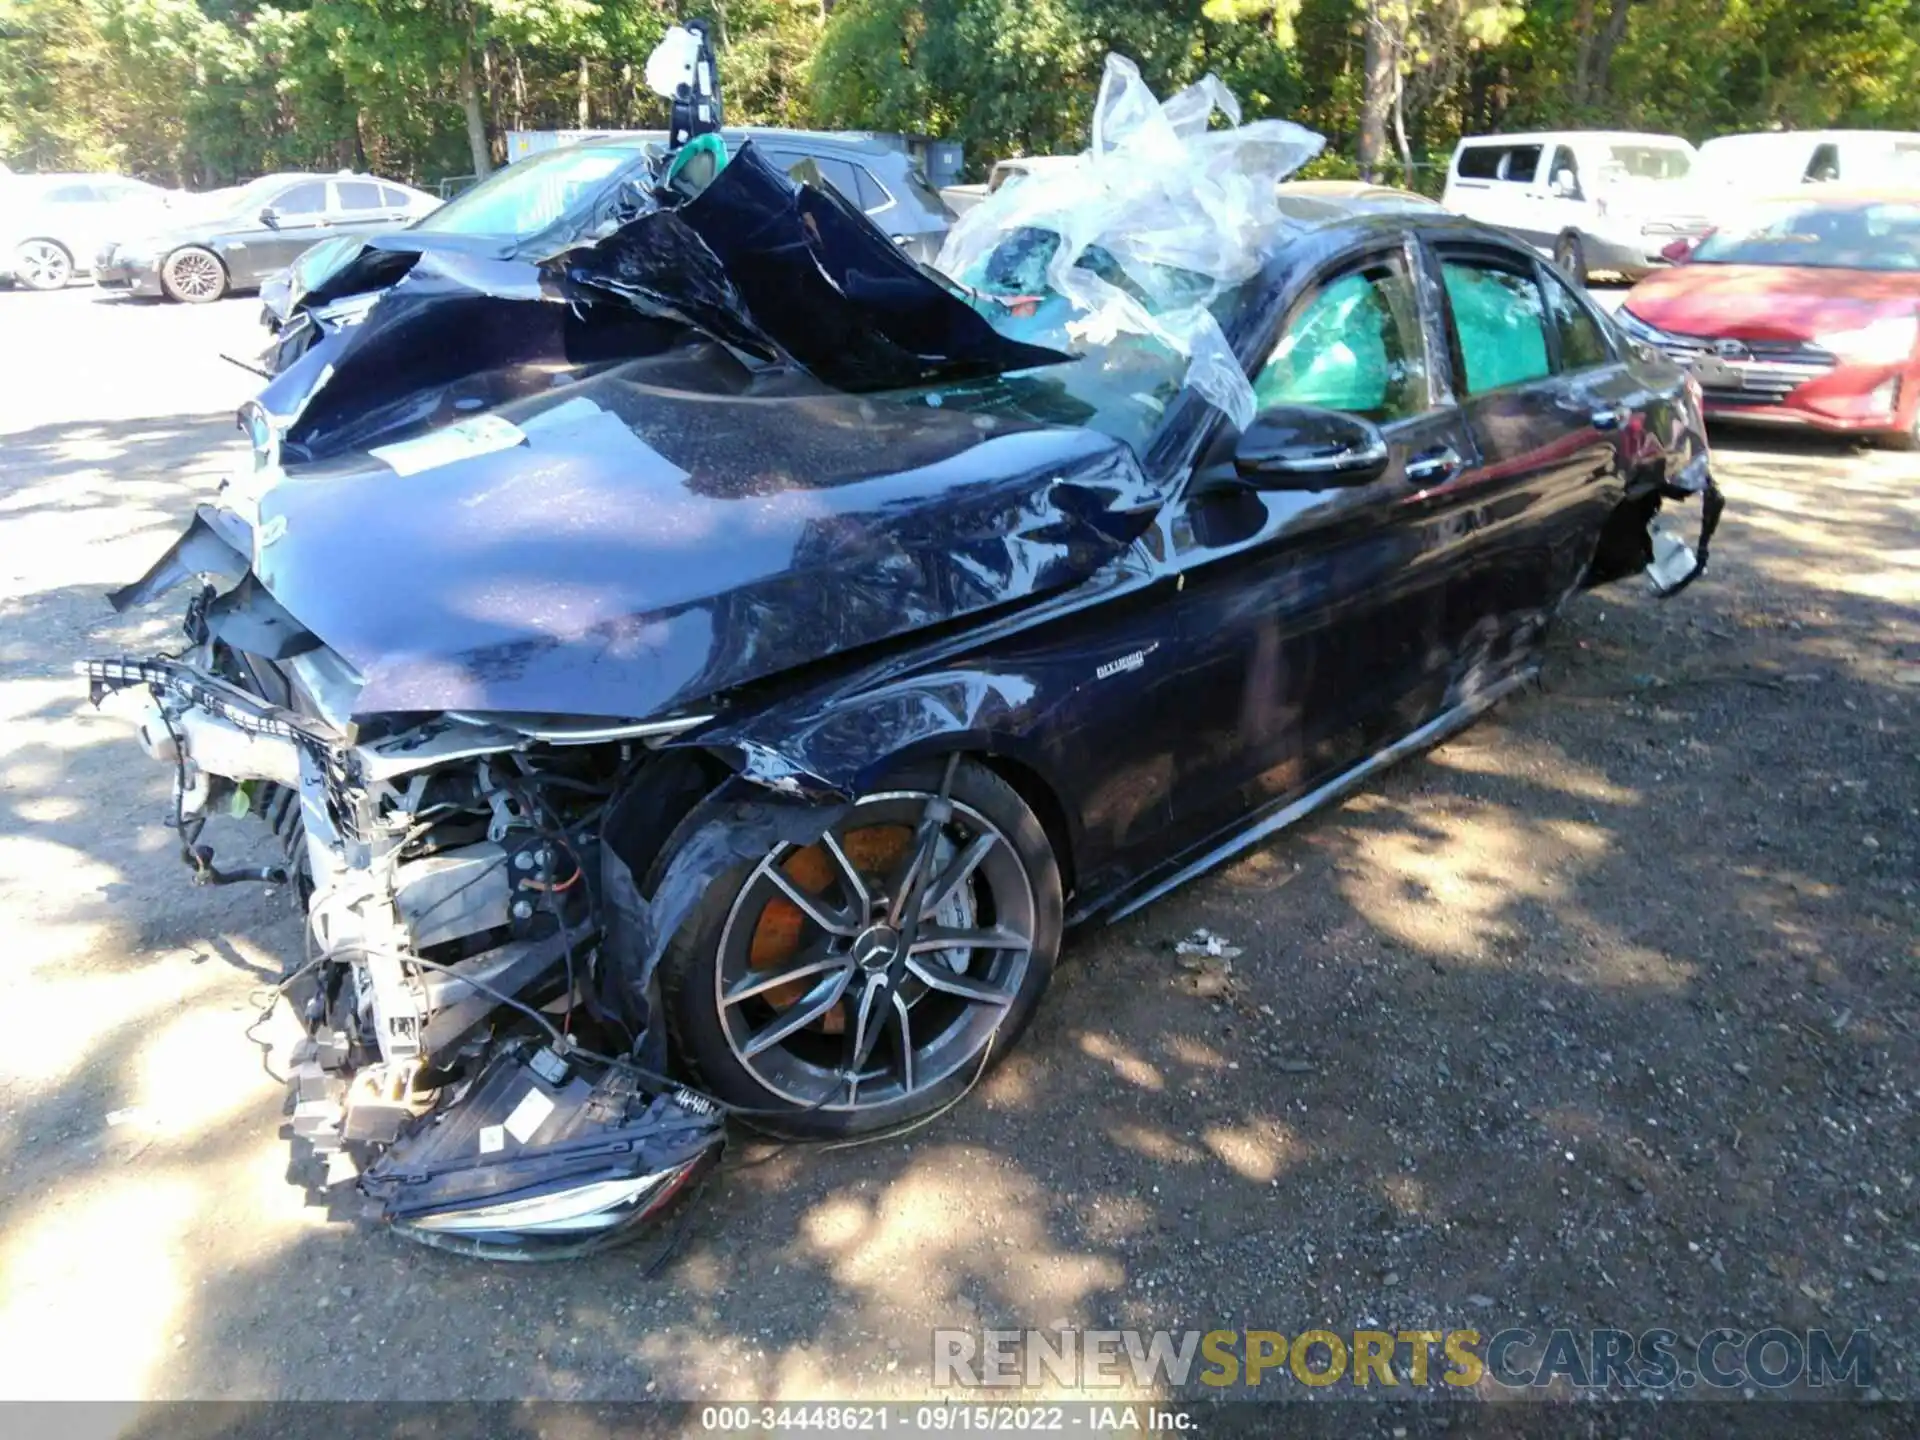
(1602, 1014)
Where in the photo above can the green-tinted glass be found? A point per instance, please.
(1497, 315)
(1354, 347)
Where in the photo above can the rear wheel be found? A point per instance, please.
(194, 275)
(1571, 256)
(869, 977)
(42, 265)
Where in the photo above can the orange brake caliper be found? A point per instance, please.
(874, 850)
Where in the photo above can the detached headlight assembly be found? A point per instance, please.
(1884, 342)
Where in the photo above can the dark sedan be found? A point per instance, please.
(764, 711)
(261, 229)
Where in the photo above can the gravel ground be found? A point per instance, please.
(1603, 1013)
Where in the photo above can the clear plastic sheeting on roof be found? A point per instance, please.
(1143, 232)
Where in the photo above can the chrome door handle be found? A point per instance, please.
(1431, 467)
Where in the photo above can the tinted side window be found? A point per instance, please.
(1480, 162)
(873, 195)
(358, 195)
(1582, 345)
(836, 173)
(71, 195)
(1353, 345)
(840, 175)
(1523, 161)
(1825, 164)
(394, 199)
(307, 198)
(1499, 325)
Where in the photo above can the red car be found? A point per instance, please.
(1805, 311)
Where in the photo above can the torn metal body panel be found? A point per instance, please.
(697, 664)
(556, 574)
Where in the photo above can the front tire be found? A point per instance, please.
(1907, 439)
(1570, 254)
(787, 992)
(42, 265)
(194, 275)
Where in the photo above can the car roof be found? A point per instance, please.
(1352, 190)
(1356, 226)
(864, 142)
(1830, 194)
(1546, 136)
(1815, 135)
(40, 180)
(1316, 204)
(1037, 162)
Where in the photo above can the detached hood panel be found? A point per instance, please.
(633, 548)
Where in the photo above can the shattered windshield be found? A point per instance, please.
(529, 195)
(1147, 235)
(1121, 386)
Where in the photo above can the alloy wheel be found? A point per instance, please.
(43, 265)
(881, 959)
(195, 275)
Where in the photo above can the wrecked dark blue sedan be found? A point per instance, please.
(703, 670)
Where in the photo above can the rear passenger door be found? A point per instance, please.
(359, 208)
(1545, 400)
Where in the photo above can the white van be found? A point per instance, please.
(1593, 199)
(1769, 160)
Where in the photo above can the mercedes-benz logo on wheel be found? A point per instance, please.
(873, 949)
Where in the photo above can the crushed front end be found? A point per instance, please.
(458, 1064)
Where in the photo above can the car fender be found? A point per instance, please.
(843, 743)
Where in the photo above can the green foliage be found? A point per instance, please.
(207, 92)
(1017, 77)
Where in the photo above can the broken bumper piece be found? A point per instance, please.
(1673, 564)
(545, 1158)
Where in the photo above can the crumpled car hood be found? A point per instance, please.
(636, 548)
(709, 440)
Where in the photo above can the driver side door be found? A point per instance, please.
(301, 215)
(1309, 635)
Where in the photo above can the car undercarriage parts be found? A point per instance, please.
(1674, 565)
(681, 69)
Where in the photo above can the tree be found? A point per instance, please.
(208, 92)
(1416, 53)
(1018, 77)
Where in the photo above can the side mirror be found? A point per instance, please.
(1678, 252)
(270, 217)
(1565, 186)
(1296, 447)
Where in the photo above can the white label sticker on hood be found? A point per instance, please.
(462, 440)
(529, 1115)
